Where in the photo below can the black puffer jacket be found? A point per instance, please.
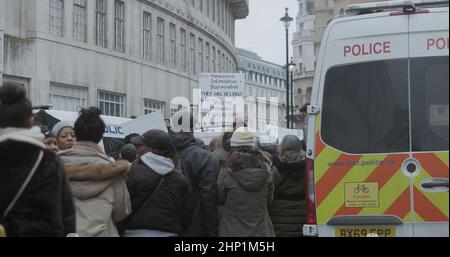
(288, 211)
(46, 207)
(291, 167)
(202, 174)
(171, 207)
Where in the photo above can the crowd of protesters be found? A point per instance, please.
(60, 182)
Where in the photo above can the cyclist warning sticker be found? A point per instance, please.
(361, 195)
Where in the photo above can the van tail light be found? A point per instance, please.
(310, 194)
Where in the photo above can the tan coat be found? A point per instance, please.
(99, 188)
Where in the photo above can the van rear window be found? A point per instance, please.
(429, 103)
(365, 107)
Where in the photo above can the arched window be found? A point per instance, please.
(298, 97)
(308, 94)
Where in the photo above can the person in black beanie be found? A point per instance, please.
(162, 202)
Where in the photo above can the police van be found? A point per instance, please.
(378, 135)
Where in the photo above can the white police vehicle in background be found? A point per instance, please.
(378, 141)
(112, 141)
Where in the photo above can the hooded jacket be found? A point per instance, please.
(45, 208)
(202, 175)
(171, 207)
(220, 154)
(246, 191)
(289, 209)
(99, 189)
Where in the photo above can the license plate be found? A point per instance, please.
(365, 231)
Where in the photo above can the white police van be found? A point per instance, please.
(378, 135)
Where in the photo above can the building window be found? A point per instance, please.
(219, 58)
(200, 55)
(214, 10)
(223, 63)
(100, 21)
(183, 49)
(300, 50)
(329, 3)
(213, 59)
(111, 104)
(146, 30)
(79, 20)
(223, 15)
(68, 98)
(119, 39)
(192, 53)
(56, 17)
(160, 41)
(207, 54)
(173, 44)
(151, 106)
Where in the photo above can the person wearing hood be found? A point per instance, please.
(222, 150)
(289, 208)
(98, 184)
(65, 135)
(202, 174)
(245, 188)
(45, 206)
(161, 198)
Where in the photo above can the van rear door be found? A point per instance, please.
(429, 52)
(362, 132)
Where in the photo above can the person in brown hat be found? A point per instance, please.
(246, 188)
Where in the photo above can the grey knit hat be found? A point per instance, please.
(59, 126)
(243, 137)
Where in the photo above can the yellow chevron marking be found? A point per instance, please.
(443, 156)
(408, 218)
(318, 118)
(417, 218)
(328, 155)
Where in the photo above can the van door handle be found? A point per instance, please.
(435, 182)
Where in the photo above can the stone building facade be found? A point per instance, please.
(129, 57)
(264, 79)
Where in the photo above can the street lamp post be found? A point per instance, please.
(291, 70)
(287, 22)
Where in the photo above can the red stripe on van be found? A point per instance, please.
(426, 209)
(319, 144)
(333, 176)
(402, 206)
(432, 164)
(384, 172)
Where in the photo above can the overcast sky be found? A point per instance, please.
(263, 33)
